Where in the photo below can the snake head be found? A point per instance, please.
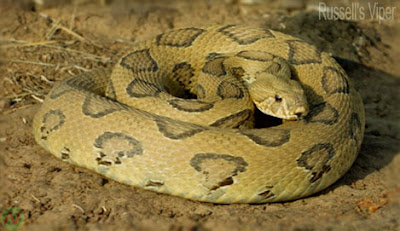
(279, 97)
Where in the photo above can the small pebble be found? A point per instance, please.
(5, 104)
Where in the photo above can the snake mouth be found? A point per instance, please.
(292, 117)
(301, 112)
(282, 110)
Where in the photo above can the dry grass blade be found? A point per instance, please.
(49, 44)
(27, 62)
(27, 44)
(80, 38)
(52, 30)
(86, 55)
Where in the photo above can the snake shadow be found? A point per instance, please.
(348, 42)
(380, 94)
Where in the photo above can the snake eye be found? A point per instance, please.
(278, 98)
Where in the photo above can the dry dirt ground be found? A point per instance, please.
(45, 43)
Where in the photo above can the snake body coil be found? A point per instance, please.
(193, 148)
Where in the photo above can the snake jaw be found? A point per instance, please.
(279, 98)
(301, 112)
(283, 110)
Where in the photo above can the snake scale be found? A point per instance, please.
(188, 129)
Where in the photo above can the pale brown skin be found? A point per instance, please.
(215, 162)
(282, 98)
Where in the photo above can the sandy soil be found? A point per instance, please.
(44, 43)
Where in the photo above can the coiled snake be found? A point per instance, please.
(203, 147)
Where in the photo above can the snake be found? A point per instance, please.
(176, 115)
